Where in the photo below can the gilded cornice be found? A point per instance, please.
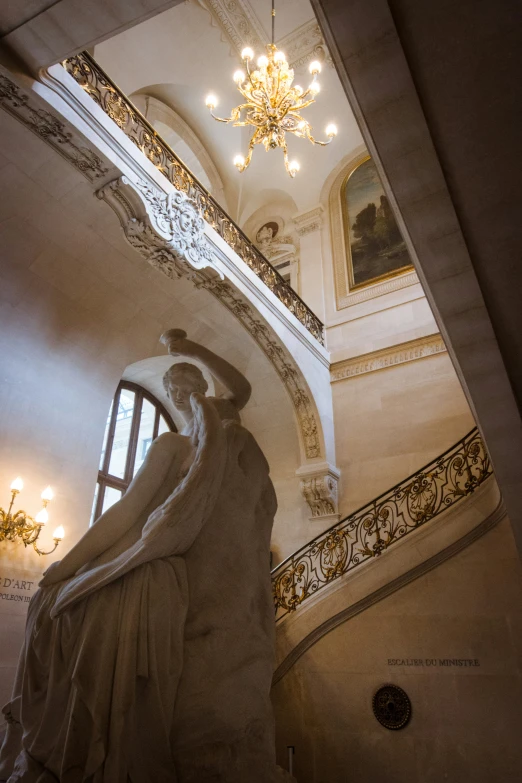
(387, 357)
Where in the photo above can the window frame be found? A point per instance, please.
(105, 479)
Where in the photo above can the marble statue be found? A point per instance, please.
(148, 653)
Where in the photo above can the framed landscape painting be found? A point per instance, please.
(374, 246)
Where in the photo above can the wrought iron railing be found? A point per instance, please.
(373, 528)
(86, 71)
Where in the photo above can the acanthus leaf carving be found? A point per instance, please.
(319, 487)
(51, 129)
(156, 223)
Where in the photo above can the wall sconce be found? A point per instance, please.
(21, 525)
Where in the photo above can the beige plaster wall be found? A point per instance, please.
(465, 723)
(391, 422)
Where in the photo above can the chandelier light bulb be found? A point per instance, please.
(293, 167)
(42, 517)
(262, 61)
(239, 161)
(301, 125)
(314, 67)
(247, 54)
(239, 77)
(47, 494)
(59, 533)
(17, 485)
(331, 130)
(299, 90)
(279, 57)
(211, 101)
(315, 87)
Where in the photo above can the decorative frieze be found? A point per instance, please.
(308, 222)
(241, 27)
(387, 357)
(305, 44)
(319, 485)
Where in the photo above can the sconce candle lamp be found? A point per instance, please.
(19, 525)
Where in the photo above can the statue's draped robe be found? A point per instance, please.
(97, 698)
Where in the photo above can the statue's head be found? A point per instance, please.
(265, 234)
(180, 381)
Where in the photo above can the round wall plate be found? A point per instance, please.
(392, 707)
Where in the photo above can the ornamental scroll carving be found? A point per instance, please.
(160, 224)
(51, 129)
(319, 486)
(168, 231)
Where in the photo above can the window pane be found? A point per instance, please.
(146, 430)
(108, 424)
(120, 445)
(110, 497)
(163, 426)
(93, 510)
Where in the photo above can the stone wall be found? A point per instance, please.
(452, 640)
(392, 421)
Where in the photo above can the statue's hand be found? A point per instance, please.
(177, 343)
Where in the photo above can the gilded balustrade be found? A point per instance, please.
(366, 533)
(86, 71)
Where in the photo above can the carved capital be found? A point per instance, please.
(319, 485)
(309, 221)
(165, 227)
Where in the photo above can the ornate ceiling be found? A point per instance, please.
(239, 23)
(193, 48)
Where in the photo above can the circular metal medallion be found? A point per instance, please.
(392, 707)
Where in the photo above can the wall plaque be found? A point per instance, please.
(392, 707)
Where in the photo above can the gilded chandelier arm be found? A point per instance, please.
(253, 141)
(270, 99)
(41, 552)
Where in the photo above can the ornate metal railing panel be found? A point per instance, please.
(367, 532)
(86, 71)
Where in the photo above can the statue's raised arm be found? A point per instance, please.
(239, 389)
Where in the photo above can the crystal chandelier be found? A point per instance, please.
(272, 105)
(19, 525)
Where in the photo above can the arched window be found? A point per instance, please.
(135, 419)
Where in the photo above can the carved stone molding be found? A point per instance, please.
(319, 485)
(308, 222)
(387, 357)
(305, 44)
(241, 27)
(49, 128)
(169, 233)
(157, 223)
(238, 22)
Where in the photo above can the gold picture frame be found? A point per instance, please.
(381, 249)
